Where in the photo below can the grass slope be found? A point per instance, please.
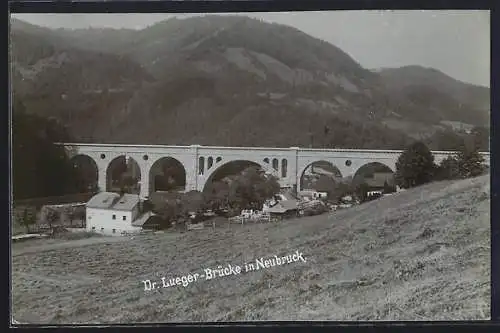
(422, 254)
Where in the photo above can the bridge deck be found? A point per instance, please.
(121, 145)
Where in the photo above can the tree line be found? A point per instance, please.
(416, 165)
(39, 167)
(247, 190)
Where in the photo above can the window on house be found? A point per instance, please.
(114, 217)
(102, 229)
(114, 230)
(124, 218)
(93, 228)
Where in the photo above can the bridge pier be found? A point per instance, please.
(293, 168)
(191, 168)
(144, 188)
(102, 179)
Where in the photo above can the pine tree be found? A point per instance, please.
(415, 166)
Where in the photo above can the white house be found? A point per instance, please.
(111, 214)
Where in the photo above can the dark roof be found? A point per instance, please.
(142, 219)
(111, 200)
(283, 206)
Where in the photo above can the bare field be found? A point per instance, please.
(422, 254)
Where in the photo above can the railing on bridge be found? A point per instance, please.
(395, 151)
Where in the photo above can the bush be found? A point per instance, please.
(248, 190)
(52, 216)
(448, 169)
(22, 218)
(340, 190)
(168, 212)
(469, 162)
(388, 188)
(362, 192)
(415, 166)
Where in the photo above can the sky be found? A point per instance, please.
(454, 42)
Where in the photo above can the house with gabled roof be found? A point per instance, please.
(111, 213)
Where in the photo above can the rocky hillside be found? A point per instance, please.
(222, 81)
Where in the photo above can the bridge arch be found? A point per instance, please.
(88, 172)
(374, 174)
(232, 167)
(123, 172)
(308, 175)
(167, 173)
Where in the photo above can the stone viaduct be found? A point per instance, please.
(201, 162)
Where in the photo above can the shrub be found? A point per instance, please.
(415, 166)
(52, 216)
(448, 169)
(340, 190)
(362, 192)
(80, 215)
(248, 190)
(469, 162)
(26, 218)
(388, 188)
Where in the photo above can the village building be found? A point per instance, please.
(312, 195)
(282, 205)
(110, 213)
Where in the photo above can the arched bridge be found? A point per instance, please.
(201, 162)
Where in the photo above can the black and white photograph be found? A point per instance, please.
(250, 167)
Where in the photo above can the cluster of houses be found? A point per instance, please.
(111, 213)
(116, 214)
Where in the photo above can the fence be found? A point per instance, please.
(253, 218)
(33, 210)
(45, 228)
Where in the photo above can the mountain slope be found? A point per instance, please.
(85, 89)
(229, 81)
(422, 254)
(466, 93)
(459, 101)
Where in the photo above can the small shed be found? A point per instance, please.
(283, 208)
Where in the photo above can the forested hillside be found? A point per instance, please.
(216, 80)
